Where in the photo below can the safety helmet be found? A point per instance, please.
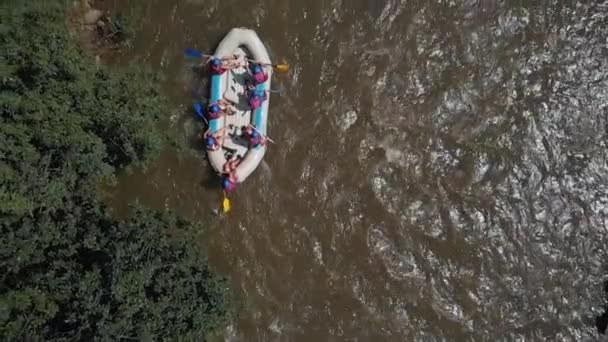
(215, 108)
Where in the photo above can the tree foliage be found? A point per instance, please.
(68, 270)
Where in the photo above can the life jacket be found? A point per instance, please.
(256, 99)
(216, 66)
(259, 93)
(260, 77)
(255, 102)
(215, 115)
(217, 70)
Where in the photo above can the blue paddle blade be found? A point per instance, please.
(200, 110)
(194, 53)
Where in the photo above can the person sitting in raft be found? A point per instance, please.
(231, 165)
(256, 98)
(217, 108)
(212, 141)
(220, 65)
(215, 111)
(258, 73)
(247, 130)
(217, 66)
(234, 61)
(229, 182)
(255, 138)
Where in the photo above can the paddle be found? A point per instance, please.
(199, 109)
(281, 67)
(194, 53)
(278, 67)
(250, 87)
(226, 204)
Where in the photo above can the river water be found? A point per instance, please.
(440, 172)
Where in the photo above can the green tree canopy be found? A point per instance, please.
(68, 270)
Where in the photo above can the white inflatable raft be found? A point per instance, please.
(231, 86)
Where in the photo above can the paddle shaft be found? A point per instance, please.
(199, 54)
(267, 64)
(267, 138)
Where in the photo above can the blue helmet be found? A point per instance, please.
(215, 108)
(210, 141)
(255, 134)
(257, 69)
(259, 93)
(216, 62)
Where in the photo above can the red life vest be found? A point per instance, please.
(255, 102)
(228, 184)
(256, 99)
(217, 70)
(255, 140)
(260, 77)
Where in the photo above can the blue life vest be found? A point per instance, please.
(259, 93)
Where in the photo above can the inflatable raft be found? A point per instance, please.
(232, 86)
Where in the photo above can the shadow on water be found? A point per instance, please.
(211, 182)
(199, 88)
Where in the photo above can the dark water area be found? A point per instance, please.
(440, 173)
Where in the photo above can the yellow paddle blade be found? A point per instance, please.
(226, 204)
(282, 67)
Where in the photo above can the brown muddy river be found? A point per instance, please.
(440, 172)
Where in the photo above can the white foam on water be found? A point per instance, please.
(347, 120)
(275, 326)
(400, 264)
(317, 252)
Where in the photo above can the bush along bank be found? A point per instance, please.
(69, 270)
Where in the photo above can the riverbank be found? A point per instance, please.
(68, 268)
